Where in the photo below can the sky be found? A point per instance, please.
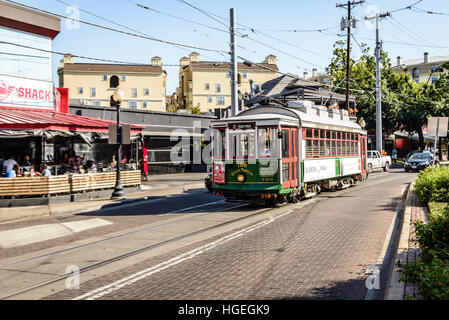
(264, 27)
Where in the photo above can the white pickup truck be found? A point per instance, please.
(377, 161)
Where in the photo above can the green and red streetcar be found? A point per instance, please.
(276, 153)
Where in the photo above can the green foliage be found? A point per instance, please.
(406, 105)
(432, 279)
(438, 209)
(431, 273)
(432, 184)
(196, 110)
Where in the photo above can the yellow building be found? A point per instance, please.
(422, 70)
(207, 84)
(93, 84)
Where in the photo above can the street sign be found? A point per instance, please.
(437, 127)
(114, 137)
(126, 134)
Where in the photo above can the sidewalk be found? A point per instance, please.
(160, 185)
(408, 250)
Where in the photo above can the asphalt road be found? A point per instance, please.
(196, 246)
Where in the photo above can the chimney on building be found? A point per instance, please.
(156, 62)
(68, 59)
(194, 57)
(426, 57)
(271, 59)
(399, 61)
(305, 76)
(184, 61)
(314, 72)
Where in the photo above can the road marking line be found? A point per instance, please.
(99, 292)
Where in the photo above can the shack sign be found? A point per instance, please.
(437, 127)
(26, 93)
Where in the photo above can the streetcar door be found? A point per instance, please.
(363, 153)
(289, 157)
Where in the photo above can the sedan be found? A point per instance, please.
(419, 161)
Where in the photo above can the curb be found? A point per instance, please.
(396, 289)
(389, 248)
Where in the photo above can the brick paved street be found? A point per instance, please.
(320, 251)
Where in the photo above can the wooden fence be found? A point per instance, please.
(66, 184)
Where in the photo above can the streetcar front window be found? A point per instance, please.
(267, 142)
(243, 144)
(219, 144)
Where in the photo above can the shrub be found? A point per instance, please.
(432, 279)
(432, 184)
(438, 209)
(431, 274)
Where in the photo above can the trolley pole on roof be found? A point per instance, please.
(379, 133)
(234, 75)
(348, 43)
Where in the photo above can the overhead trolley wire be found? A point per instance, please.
(119, 31)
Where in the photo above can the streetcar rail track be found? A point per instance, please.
(131, 253)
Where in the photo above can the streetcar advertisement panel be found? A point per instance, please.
(319, 169)
(219, 173)
(350, 166)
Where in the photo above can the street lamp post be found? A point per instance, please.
(118, 193)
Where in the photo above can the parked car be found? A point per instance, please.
(208, 182)
(419, 161)
(377, 161)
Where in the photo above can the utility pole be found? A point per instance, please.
(348, 50)
(379, 133)
(234, 75)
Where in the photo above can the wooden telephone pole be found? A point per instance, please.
(349, 5)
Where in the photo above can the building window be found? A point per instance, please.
(133, 105)
(228, 75)
(105, 77)
(96, 103)
(245, 75)
(220, 100)
(134, 92)
(144, 104)
(207, 86)
(114, 82)
(93, 92)
(218, 87)
(123, 77)
(209, 99)
(416, 73)
(146, 92)
(80, 90)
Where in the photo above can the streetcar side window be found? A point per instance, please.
(285, 144)
(326, 143)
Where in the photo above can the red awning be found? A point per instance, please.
(49, 120)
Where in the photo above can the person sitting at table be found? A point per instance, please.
(75, 162)
(14, 172)
(9, 164)
(27, 161)
(45, 172)
(90, 167)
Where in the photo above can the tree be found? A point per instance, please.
(363, 84)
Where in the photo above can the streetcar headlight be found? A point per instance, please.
(241, 178)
